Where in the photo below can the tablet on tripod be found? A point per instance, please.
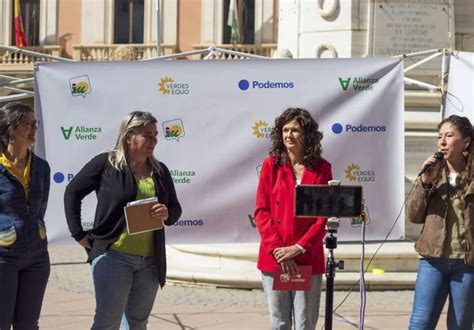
(328, 201)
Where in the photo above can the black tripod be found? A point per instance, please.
(331, 265)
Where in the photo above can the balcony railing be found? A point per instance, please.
(262, 50)
(112, 52)
(11, 60)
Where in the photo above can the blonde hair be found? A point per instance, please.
(118, 156)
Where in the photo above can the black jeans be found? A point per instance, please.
(23, 282)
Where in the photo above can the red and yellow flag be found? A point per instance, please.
(20, 39)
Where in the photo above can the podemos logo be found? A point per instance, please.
(173, 129)
(189, 223)
(355, 174)
(168, 86)
(338, 128)
(359, 84)
(244, 84)
(60, 177)
(81, 133)
(80, 86)
(261, 129)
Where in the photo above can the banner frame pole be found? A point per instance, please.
(445, 66)
(426, 59)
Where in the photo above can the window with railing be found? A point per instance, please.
(244, 11)
(128, 25)
(29, 11)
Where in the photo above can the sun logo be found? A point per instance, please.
(162, 85)
(82, 87)
(257, 128)
(350, 172)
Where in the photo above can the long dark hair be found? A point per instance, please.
(311, 137)
(464, 126)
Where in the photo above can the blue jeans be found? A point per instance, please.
(303, 304)
(125, 286)
(23, 282)
(437, 279)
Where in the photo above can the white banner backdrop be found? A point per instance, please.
(215, 119)
(460, 98)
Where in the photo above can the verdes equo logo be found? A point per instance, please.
(355, 173)
(173, 129)
(80, 86)
(358, 84)
(168, 86)
(244, 84)
(338, 128)
(261, 129)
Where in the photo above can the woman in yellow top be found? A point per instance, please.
(3, 131)
(24, 190)
(127, 269)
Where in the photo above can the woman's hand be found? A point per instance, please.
(286, 253)
(428, 176)
(86, 242)
(159, 211)
(289, 267)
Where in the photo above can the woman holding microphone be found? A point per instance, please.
(443, 201)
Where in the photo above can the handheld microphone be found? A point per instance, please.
(439, 156)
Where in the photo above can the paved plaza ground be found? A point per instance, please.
(69, 304)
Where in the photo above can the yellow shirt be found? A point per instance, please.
(22, 177)
(138, 244)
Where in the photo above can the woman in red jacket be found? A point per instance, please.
(287, 241)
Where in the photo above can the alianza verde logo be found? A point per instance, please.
(252, 221)
(173, 129)
(168, 86)
(354, 173)
(81, 133)
(358, 84)
(261, 129)
(182, 176)
(80, 86)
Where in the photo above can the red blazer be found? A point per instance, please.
(275, 220)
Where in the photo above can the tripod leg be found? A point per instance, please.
(329, 303)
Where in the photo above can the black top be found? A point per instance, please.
(114, 189)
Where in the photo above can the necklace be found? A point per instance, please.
(142, 172)
(297, 170)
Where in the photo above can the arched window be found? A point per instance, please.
(128, 23)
